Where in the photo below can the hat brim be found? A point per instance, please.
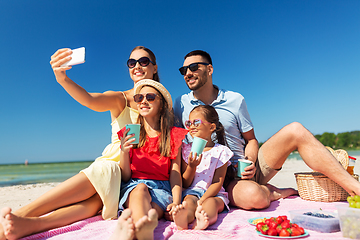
(158, 86)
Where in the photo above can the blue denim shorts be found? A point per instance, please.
(199, 192)
(160, 191)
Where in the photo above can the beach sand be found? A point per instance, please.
(20, 195)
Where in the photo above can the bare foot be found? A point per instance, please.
(125, 228)
(277, 193)
(202, 219)
(15, 227)
(2, 235)
(145, 226)
(180, 216)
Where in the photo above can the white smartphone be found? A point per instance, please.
(78, 57)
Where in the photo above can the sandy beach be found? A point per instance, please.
(20, 195)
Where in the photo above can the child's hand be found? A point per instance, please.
(125, 142)
(169, 211)
(193, 162)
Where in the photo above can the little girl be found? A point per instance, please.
(203, 177)
(150, 170)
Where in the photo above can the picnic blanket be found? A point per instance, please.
(231, 225)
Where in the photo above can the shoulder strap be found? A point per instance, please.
(125, 98)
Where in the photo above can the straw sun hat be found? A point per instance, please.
(158, 86)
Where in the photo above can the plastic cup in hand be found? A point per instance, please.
(134, 129)
(242, 164)
(198, 145)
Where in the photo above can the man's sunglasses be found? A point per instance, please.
(143, 61)
(193, 67)
(150, 97)
(195, 123)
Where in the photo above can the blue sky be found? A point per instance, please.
(291, 60)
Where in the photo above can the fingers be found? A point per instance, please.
(60, 57)
(125, 142)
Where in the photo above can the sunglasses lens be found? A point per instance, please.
(131, 63)
(187, 123)
(197, 122)
(193, 67)
(144, 61)
(138, 98)
(183, 70)
(150, 97)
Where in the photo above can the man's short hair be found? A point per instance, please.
(202, 53)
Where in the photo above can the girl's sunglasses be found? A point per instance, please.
(195, 123)
(143, 61)
(193, 67)
(150, 97)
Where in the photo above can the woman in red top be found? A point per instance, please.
(150, 170)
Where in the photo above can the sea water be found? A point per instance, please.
(15, 174)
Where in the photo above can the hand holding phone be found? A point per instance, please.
(77, 57)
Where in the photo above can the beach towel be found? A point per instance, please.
(231, 225)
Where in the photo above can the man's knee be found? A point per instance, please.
(297, 132)
(248, 195)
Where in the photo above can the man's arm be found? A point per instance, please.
(251, 152)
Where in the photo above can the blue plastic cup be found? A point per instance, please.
(134, 129)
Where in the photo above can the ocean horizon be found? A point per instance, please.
(47, 172)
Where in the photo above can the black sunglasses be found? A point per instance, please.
(193, 67)
(143, 61)
(150, 97)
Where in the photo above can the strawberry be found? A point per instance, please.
(264, 229)
(285, 224)
(259, 225)
(272, 232)
(272, 225)
(295, 231)
(278, 228)
(279, 220)
(284, 233)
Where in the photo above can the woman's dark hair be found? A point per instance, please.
(166, 121)
(212, 116)
(152, 58)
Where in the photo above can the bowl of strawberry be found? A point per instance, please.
(280, 227)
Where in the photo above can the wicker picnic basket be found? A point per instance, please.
(315, 186)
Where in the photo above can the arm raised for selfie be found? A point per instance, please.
(100, 102)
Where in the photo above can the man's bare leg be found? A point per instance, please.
(296, 137)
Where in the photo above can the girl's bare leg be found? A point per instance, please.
(16, 226)
(207, 213)
(144, 215)
(76, 189)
